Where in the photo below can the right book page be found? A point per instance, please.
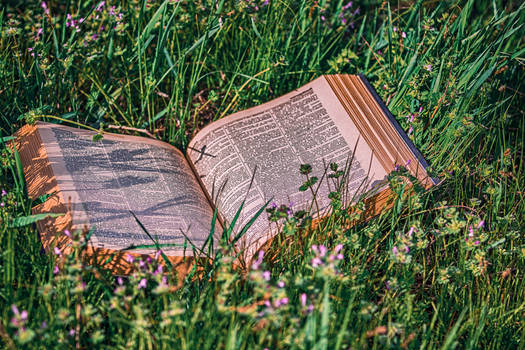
(255, 156)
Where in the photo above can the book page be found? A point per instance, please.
(270, 142)
(105, 181)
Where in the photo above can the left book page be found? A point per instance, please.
(100, 183)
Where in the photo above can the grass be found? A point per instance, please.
(441, 269)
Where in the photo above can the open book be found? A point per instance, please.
(251, 156)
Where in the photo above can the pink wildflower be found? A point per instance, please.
(322, 250)
(302, 298)
(316, 262)
(100, 6)
(395, 251)
(44, 6)
(259, 260)
(266, 275)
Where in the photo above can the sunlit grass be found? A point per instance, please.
(439, 269)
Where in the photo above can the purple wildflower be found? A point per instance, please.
(302, 298)
(100, 6)
(316, 262)
(348, 5)
(477, 243)
(280, 284)
(266, 275)
(4, 193)
(57, 251)
(56, 270)
(158, 270)
(142, 284)
(130, 259)
(481, 224)
(338, 248)
(394, 251)
(44, 6)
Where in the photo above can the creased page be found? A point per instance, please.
(270, 142)
(105, 181)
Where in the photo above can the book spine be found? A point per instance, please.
(398, 127)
